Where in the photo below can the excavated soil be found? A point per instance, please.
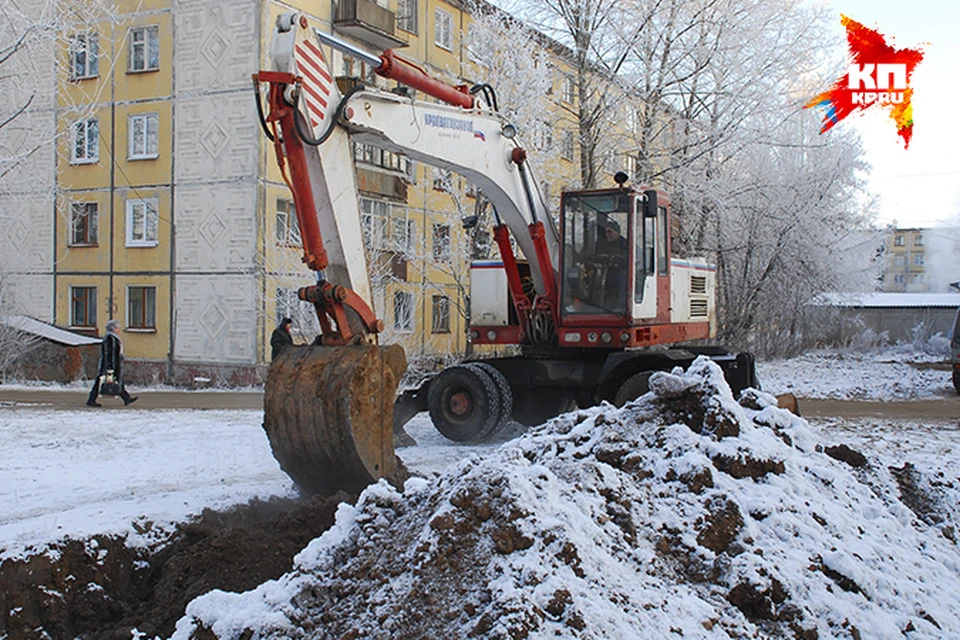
(101, 589)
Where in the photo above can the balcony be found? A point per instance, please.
(368, 22)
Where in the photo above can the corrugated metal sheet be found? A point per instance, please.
(47, 331)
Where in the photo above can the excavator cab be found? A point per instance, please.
(609, 246)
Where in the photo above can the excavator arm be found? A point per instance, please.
(328, 407)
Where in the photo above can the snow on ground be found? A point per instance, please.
(78, 473)
(881, 374)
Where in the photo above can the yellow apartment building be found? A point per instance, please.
(905, 269)
(169, 212)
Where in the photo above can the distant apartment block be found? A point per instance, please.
(906, 256)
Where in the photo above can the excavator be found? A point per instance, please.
(592, 305)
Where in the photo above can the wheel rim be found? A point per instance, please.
(458, 405)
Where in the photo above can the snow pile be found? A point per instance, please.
(683, 513)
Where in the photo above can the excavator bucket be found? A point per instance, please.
(328, 413)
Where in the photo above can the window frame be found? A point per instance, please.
(91, 63)
(568, 145)
(92, 212)
(443, 22)
(91, 146)
(131, 204)
(440, 311)
(151, 35)
(89, 303)
(407, 306)
(288, 232)
(442, 246)
(568, 89)
(132, 325)
(132, 119)
(410, 21)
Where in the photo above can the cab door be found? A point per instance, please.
(645, 251)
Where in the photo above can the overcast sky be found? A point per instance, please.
(920, 186)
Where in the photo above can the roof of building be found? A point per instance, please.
(47, 331)
(888, 300)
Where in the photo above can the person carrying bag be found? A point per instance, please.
(109, 381)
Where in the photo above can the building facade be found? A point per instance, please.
(905, 269)
(161, 204)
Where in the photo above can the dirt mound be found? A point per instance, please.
(100, 588)
(682, 514)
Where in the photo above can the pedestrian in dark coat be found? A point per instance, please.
(281, 338)
(111, 359)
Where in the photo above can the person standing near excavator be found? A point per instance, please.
(280, 338)
(111, 363)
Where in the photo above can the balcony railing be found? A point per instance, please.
(369, 22)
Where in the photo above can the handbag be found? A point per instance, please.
(109, 385)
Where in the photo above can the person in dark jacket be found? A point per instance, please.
(111, 359)
(281, 338)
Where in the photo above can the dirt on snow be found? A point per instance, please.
(99, 588)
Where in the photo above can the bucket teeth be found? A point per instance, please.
(328, 413)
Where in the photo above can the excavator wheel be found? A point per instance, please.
(632, 388)
(503, 392)
(464, 403)
(328, 413)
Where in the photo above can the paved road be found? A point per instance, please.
(60, 399)
(945, 408)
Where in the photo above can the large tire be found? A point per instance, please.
(956, 380)
(632, 388)
(504, 394)
(535, 406)
(464, 403)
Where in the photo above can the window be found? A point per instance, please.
(443, 180)
(918, 240)
(918, 259)
(374, 215)
(86, 141)
(354, 68)
(142, 307)
(566, 145)
(288, 228)
(898, 241)
(84, 55)
(918, 278)
(144, 52)
(403, 311)
(142, 221)
(441, 243)
(900, 279)
(900, 260)
(143, 133)
(480, 46)
(403, 234)
(407, 15)
(441, 314)
(83, 307)
(443, 29)
(83, 223)
(379, 157)
(568, 89)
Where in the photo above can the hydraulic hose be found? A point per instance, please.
(299, 123)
